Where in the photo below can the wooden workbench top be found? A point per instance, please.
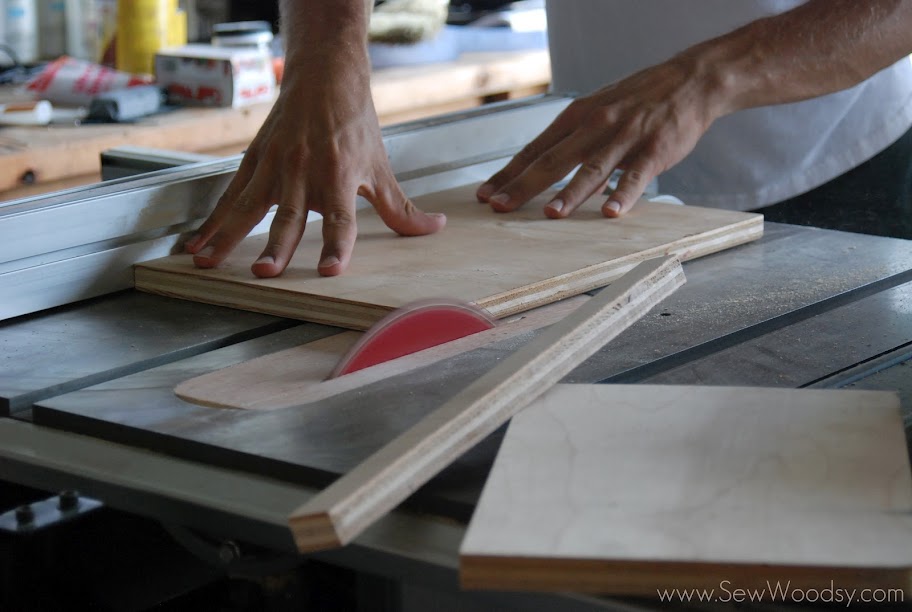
(40, 159)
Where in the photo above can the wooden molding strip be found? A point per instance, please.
(344, 509)
(297, 375)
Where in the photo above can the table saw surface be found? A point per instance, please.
(801, 307)
(796, 309)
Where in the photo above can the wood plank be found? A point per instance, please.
(626, 489)
(30, 155)
(298, 375)
(386, 478)
(33, 156)
(416, 91)
(503, 263)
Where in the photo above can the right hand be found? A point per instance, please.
(643, 125)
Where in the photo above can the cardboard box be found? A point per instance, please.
(205, 75)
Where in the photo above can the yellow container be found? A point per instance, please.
(177, 31)
(142, 29)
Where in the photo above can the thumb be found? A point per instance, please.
(397, 210)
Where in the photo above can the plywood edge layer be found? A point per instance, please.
(652, 578)
(316, 531)
(327, 311)
(721, 239)
(599, 275)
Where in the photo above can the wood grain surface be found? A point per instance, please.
(31, 155)
(386, 478)
(505, 263)
(298, 375)
(627, 489)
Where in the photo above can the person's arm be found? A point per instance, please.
(319, 148)
(650, 121)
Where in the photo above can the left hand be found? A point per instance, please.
(318, 149)
(643, 125)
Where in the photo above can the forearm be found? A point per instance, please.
(818, 48)
(325, 28)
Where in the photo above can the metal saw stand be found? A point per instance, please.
(89, 364)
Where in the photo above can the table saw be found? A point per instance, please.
(90, 365)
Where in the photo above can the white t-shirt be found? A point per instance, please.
(751, 158)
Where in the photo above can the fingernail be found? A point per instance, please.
(613, 206)
(484, 192)
(500, 199)
(556, 205)
(265, 259)
(436, 215)
(329, 261)
(206, 253)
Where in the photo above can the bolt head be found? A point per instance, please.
(68, 500)
(229, 552)
(25, 515)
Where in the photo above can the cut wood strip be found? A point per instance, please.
(383, 480)
(504, 263)
(632, 489)
(298, 375)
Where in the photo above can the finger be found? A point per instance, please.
(630, 188)
(592, 176)
(555, 209)
(284, 233)
(397, 210)
(560, 128)
(516, 166)
(549, 168)
(240, 216)
(340, 230)
(224, 206)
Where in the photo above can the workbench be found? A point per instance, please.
(35, 160)
(87, 387)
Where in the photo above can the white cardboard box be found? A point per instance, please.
(215, 76)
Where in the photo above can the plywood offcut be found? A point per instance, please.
(626, 489)
(299, 375)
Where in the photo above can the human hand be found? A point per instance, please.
(642, 125)
(319, 147)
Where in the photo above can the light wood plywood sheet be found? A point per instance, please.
(506, 263)
(630, 489)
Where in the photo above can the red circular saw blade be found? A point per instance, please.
(413, 328)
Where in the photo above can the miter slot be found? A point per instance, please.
(82, 345)
(717, 349)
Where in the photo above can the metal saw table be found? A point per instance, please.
(89, 365)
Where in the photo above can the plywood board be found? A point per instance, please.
(629, 489)
(299, 375)
(386, 478)
(506, 263)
